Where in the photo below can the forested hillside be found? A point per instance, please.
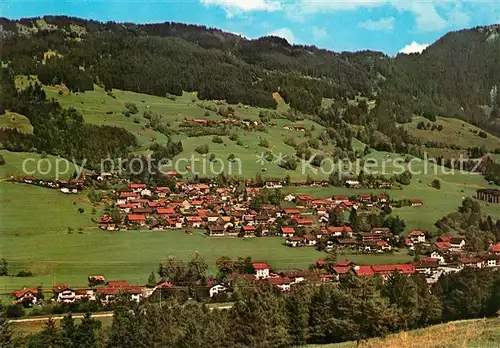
(455, 77)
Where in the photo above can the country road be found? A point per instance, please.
(75, 316)
(94, 315)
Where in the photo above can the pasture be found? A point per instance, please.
(477, 333)
(455, 132)
(19, 164)
(17, 121)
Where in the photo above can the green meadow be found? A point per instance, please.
(19, 164)
(454, 132)
(16, 121)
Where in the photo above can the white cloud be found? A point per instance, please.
(458, 17)
(319, 33)
(381, 24)
(414, 47)
(235, 7)
(285, 33)
(429, 15)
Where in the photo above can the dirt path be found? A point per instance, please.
(75, 316)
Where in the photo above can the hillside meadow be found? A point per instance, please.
(454, 132)
(477, 333)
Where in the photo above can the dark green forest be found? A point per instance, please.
(455, 77)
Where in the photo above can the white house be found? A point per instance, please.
(217, 289)
(436, 255)
(261, 270)
(63, 294)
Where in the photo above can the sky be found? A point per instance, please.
(390, 26)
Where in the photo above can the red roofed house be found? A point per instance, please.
(495, 249)
(107, 294)
(291, 212)
(362, 270)
(162, 192)
(417, 236)
(261, 270)
(305, 200)
(248, 230)
(216, 230)
(136, 219)
(63, 294)
(27, 297)
(283, 283)
(474, 262)
(340, 199)
(194, 221)
(137, 187)
(442, 245)
(107, 223)
(303, 221)
(287, 231)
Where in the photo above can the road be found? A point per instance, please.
(94, 315)
(75, 316)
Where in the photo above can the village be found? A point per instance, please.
(253, 212)
(226, 211)
(448, 256)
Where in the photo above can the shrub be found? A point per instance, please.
(233, 137)
(231, 157)
(218, 140)
(132, 108)
(436, 184)
(136, 120)
(202, 149)
(264, 143)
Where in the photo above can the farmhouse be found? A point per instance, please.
(287, 231)
(261, 270)
(27, 297)
(417, 236)
(63, 294)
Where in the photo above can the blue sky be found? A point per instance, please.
(382, 25)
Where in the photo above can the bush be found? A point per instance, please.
(239, 143)
(202, 149)
(109, 112)
(136, 120)
(231, 157)
(206, 114)
(436, 184)
(233, 137)
(218, 140)
(483, 134)
(15, 311)
(24, 274)
(264, 143)
(132, 108)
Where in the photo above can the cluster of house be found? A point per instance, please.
(441, 261)
(449, 255)
(65, 186)
(224, 210)
(98, 289)
(233, 121)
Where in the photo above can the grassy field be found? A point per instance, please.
(16, 121)
(34, 236)
(20, 164)
(455, 132)
(482, 333)
(31, 210)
